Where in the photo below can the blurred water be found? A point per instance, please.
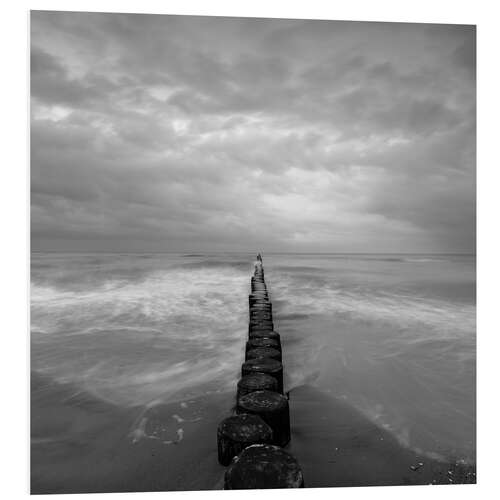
(393, 334)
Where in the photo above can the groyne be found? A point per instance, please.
(251, 441)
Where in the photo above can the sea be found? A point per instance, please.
(394, 335)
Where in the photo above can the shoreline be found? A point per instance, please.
(94, 447)
(341, 447)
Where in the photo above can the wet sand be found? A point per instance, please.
(83, 445)
(337, 445)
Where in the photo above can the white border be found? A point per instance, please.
(15, 209)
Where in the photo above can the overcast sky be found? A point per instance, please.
(171, 133)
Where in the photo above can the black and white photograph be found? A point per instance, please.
(252, 255)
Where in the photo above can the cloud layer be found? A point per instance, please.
(170, 133)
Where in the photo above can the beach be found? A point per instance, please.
(135, 359)
(143, 450)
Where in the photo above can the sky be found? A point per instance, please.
(154, 133)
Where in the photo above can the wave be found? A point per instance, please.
(128, 342)
(321, 258)
(423, 260)
(211, 264)
(312, 295)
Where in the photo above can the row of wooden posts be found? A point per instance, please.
(251, 441)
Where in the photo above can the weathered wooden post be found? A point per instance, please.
(258, 298)
(259, 307)
(264, 365)
(256, 382)
(252, 343)
(272, 407)
(260, 314)
(262, 466)
(235, 433)
(260, 325)
(263, 305)
(263, 333)
(263, 352)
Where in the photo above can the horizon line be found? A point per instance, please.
(201, 252)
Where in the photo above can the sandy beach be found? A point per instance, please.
(83, 445)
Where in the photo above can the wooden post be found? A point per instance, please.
(263, 352)
(235, 433)
(264, 365)
(261, 307)
(266, 333)
(272, 407)
(263, 466)
(262, 342)
(256, 382)
(259, 314)
(260, 325)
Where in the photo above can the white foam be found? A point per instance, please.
(133, 342)
(444, 317)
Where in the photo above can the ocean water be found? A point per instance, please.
(393, 335)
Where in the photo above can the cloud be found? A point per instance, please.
(190, 133)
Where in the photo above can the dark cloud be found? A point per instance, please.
(191, 133)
